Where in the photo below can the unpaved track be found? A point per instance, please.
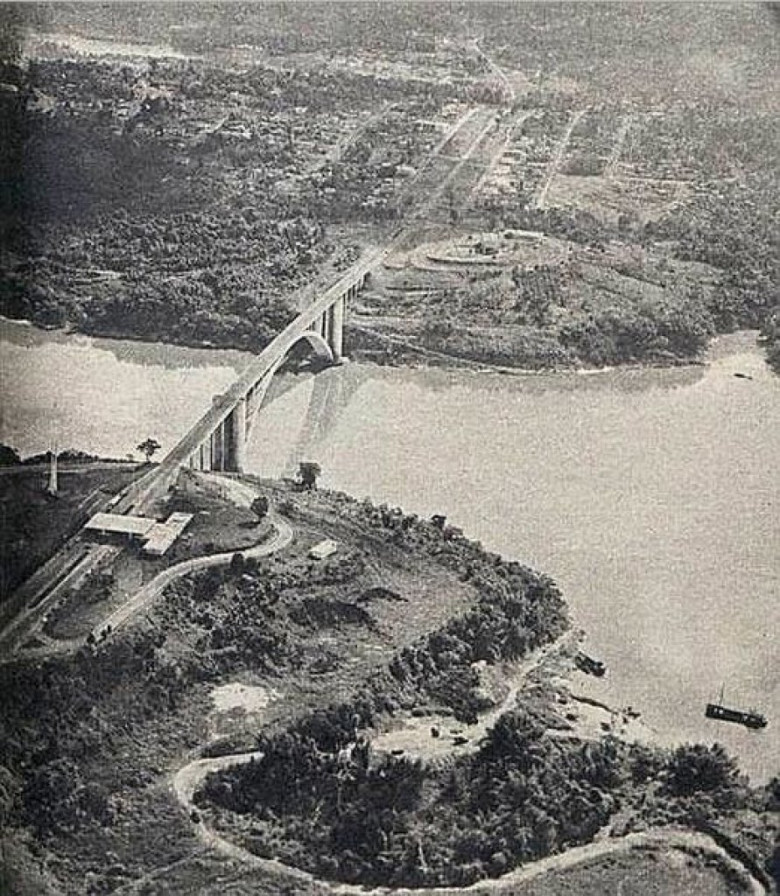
(498, 155)
(555, 162)
(242, 495)
(186, 781)
(610, 169)
(142, 598)
(497, 70)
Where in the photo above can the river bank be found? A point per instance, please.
(303, 623)
(363, 627)
(711, 860)
(627, 485)
(342, 767)
(400, 349)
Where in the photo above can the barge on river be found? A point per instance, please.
(589, 665)
(724, 714)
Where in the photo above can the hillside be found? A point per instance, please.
(409, 634)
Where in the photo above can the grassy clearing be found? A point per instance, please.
(650, 872)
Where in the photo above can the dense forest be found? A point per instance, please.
(400, 821)
(196, 199)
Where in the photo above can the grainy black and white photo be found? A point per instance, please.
(389, 448)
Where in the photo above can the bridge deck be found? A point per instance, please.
(158, 479)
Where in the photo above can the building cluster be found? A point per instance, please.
(154, 537)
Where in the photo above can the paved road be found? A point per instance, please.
(30, 603)
(74, 564)
(142, 598)
(47, 582)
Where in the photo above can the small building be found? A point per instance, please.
(131, 527)
(156, 537)
(324, 549)
(163, 535)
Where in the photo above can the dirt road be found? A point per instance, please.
(186, 781)
(142, 598)
(555, 162)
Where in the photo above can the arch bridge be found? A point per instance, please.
(218, 440)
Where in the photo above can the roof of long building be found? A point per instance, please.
(121, 524)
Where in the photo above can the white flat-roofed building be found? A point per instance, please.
(118, 524)
(163, 535)
(324, 549)
(156, 537)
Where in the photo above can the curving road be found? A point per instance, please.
(186, 781)
(144, 596)
(240, 494)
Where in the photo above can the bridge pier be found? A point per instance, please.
(336, 314)
(330, 325)
(205, 455)
(235, 430)
(223, 445)
(218, 448)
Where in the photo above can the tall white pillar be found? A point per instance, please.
(337, 328)
(235, 455)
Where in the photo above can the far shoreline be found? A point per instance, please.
(719, 345)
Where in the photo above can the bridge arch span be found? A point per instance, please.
(319, 348)
(218, 440)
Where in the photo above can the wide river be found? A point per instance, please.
(651, 496)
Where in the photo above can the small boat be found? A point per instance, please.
(750, 718)
(587, 664)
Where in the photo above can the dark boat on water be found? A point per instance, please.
(587, 664)
(722, 713)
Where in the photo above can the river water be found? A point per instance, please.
(650, 496)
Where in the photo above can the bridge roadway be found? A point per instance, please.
(310, 324)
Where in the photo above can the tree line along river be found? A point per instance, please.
(650, 495)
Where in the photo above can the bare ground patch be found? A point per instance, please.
(607, 198)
